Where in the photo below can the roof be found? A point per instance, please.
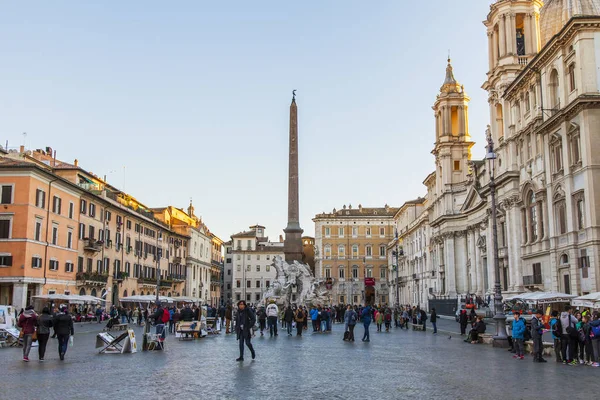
(245, 234)
(360, 212)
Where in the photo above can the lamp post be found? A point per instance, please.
(501, 337)
(397, 267)
(158, 254)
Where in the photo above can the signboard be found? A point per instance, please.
(369, 281)
(130, 346)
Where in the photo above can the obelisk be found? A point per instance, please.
(293, 232)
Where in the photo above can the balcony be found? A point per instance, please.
(532, 280)
(120, 276)
(177, 278)
(92, 245)
(91, 278)
(147, 281)
(166, 283)
(176, 260)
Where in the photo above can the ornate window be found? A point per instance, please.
(354, 251)
(554, 90)
(355, 271)
(341, 250)
(560, 211)
(341, 272)
(579, 205)
(533, 221)
(328, 251)
(527, 103)
(557, 158)
(572, 77)
(575, 145)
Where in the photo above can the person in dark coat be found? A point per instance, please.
(44, 325)
(228, 318)
(187, 314)
(463, 320)
(63, 328)
(433, 319)
(288, 317)
(537, 330)
(244, 322)
(478, 329)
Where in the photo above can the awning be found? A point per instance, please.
(146, 299)
(591, 300)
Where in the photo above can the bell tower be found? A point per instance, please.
(452, 139)
(513, 30)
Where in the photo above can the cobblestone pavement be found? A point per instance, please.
(394, 365)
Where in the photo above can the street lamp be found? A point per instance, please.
(501, 338)
(158, 254)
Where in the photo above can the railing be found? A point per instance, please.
(91, 187)
(92, 245)
(121, 275)
(529, 280)
(523, 60)
(91, 276)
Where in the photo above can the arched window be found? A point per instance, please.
(133, 292)
(533, 218)
(82, 292)
(93, 293)
(554, 90)
(564, 259)
(560, 212)
(125, 293)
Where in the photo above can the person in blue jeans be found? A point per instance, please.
(366, 319)
(433, 319)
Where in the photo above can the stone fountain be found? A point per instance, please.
(295, 278)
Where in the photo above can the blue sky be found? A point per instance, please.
(184, 99)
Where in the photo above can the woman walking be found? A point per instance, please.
(350, 319)
(27, 323)
(299, 321)
(43, 332)
(378, 320)
(366, 319)
(244, 322)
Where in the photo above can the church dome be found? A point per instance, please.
(556, 13)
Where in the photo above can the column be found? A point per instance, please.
(19, 299)
(528, 41)
(535, 32)
(437, 126)
(479, 265)
(511, 34)
(450, 265)
(490, 36)
(461, 120)
(502, 34)
(495, 48)
(448, 119)
(514, 248)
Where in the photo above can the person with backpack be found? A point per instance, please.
(272, 313)
(27, 322)
(299, 317)
(262, 320)
(288, 316)
(423, 319)
(350, 319)
(585, 333)
(63, 328)
(595, 336)
(518, 331)
(556, 329)
(366, 319)
(387, 318)
(569, 336)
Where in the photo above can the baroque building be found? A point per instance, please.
(544, 111)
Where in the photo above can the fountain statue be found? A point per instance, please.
(295, 278)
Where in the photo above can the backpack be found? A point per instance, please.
(557, 328)
(166, 316)
(596, 331)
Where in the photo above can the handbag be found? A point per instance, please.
(34, 337)
(21, 334)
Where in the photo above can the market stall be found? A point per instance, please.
(591, 300)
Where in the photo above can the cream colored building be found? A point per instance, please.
(251, 257)
(351, 245)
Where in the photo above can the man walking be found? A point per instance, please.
(350, 318)
(569, 336)
(243, 326)
(272, 313)
(228, 318)
(556, 328)
(288, 317)
(63, 328)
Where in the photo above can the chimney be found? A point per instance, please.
(21, 149)
(76, 163)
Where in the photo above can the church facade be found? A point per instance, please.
(544, 99)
